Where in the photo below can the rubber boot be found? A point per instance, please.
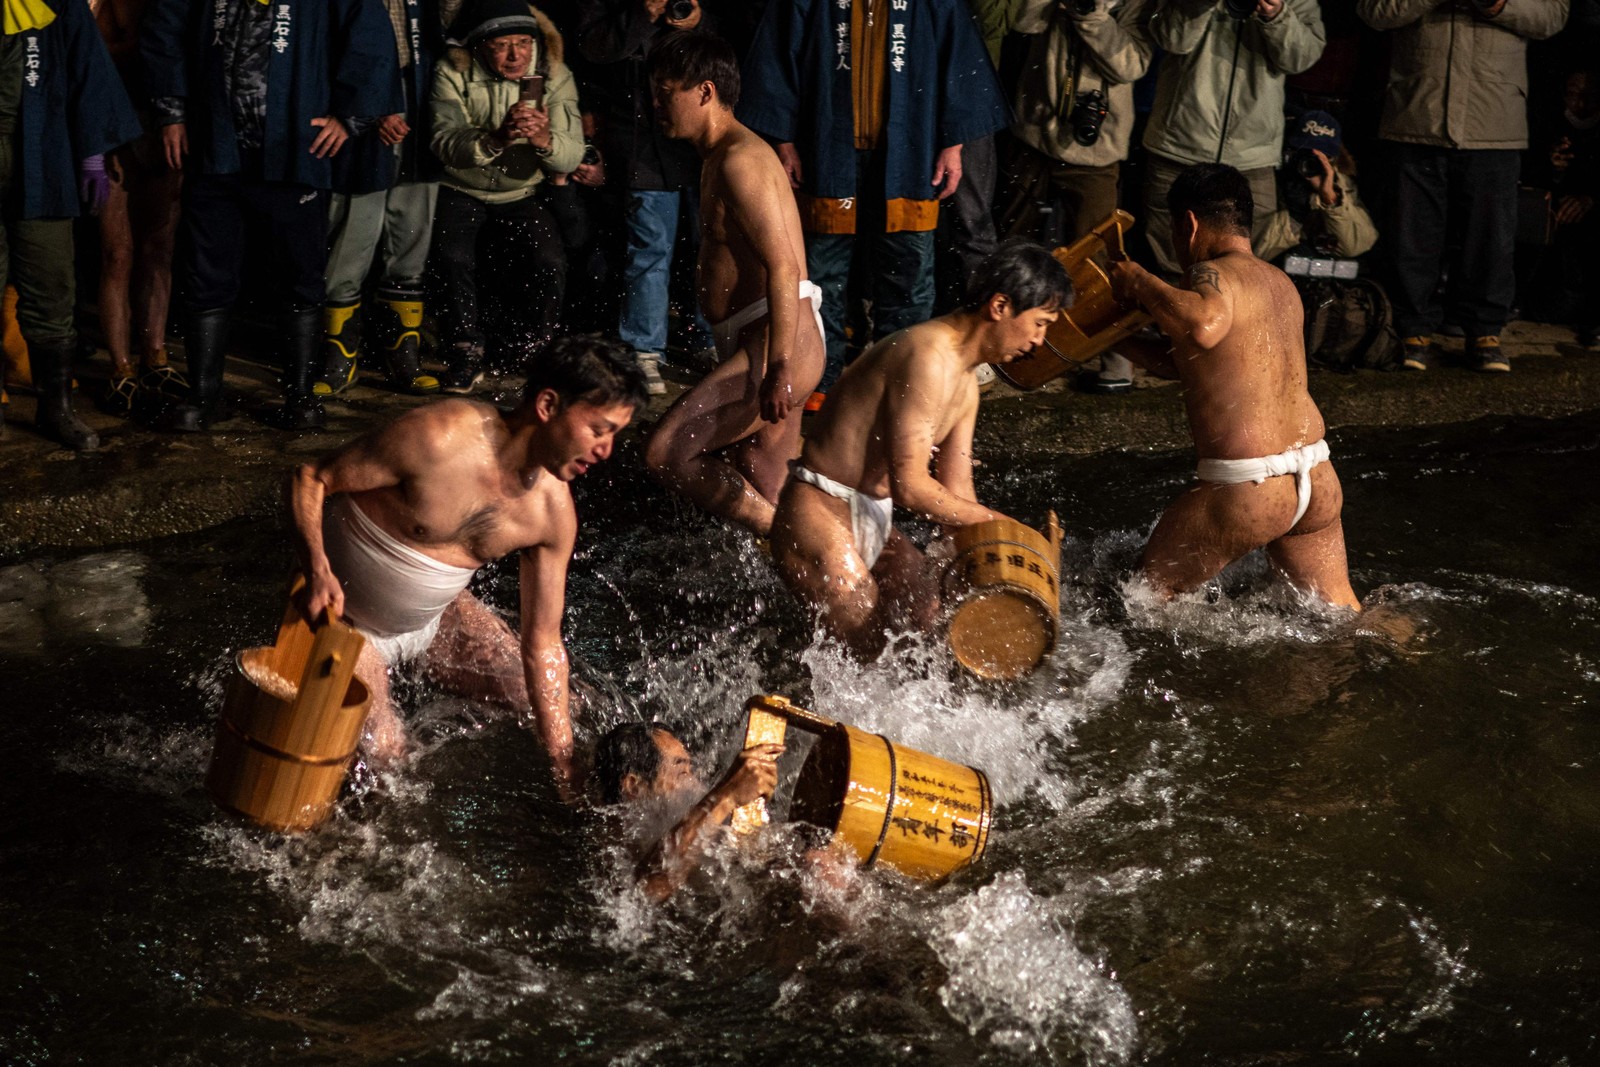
(203, 343)
(52, 377)
(302, 337)
(341, 348)
(397, 330)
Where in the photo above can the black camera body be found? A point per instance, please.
(1088, 115)
(1304, 162)
(1239, 10)
(678, 10)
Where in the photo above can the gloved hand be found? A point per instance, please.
(94, 184)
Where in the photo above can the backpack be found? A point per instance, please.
(1349, 324)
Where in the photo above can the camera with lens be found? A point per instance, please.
(591, 155)
(1304, 162)
(1088, 114)
(1084, 7)
(1239, 10)
(678, 10)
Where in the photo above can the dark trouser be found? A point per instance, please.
(1474, 193)
(973, 202)
(1052, 201)
(519, 245)
(215, 209)
(36, 257)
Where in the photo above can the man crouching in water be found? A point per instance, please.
(414, 509)
(1238, 348)
(644, 763)
(727, 442)
(908, 401)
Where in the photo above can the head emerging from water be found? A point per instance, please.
(581, 391)
(643, 760)
(1210, 204)
(1018, 292)
(693, 75)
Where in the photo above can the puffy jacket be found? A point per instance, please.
(470, 102)
(1457, 80)
(1113, 53)
(1219, 97)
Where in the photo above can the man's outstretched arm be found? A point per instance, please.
(1201, 313)
(753, 774)
(543, 578)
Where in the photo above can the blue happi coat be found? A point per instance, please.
(366, 164)
(73, 106)
(329, 57)
(942, 91)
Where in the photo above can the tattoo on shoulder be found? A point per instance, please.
(1202, 277)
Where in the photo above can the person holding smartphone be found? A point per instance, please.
(505, 118)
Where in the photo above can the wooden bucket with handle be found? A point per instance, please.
(923, 816)
(1095, 321)
(290, 725)
(1002, 596)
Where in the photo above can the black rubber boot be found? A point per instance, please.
(203, 343)
(52, 378)
(341, 349)
(302, 341)
(397, 332)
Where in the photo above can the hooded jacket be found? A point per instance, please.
(1219, 97)
(1112, 51)
(1457, 80)
(470, 102)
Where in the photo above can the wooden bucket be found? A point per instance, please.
(1094, 322)
(1002, 595)
(281, 757)
(921, 815)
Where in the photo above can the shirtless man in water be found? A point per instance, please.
(1237, 347)
(726, 443)
(909, 401)
(414, 509)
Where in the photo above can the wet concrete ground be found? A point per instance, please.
(142, 483)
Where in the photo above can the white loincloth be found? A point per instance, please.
(726, 333)
(1296, 461)
(393, 594)
(871, 517)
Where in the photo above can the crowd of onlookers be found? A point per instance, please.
(431, 189)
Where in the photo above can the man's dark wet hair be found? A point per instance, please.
(1025, 273)
(689, 57)
(627, 749)
(1218, 195)
(590, 368)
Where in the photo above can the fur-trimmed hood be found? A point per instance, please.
(554, 47)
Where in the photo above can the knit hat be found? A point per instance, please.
(494, 18)
(1314, 129)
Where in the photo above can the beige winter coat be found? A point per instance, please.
(1114, 52)
(1210, 108)
(470, 102)
(1457, 80)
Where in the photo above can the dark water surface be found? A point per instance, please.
(1231, 830)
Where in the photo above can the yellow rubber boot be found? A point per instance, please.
(341, 348)
(400, 334)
